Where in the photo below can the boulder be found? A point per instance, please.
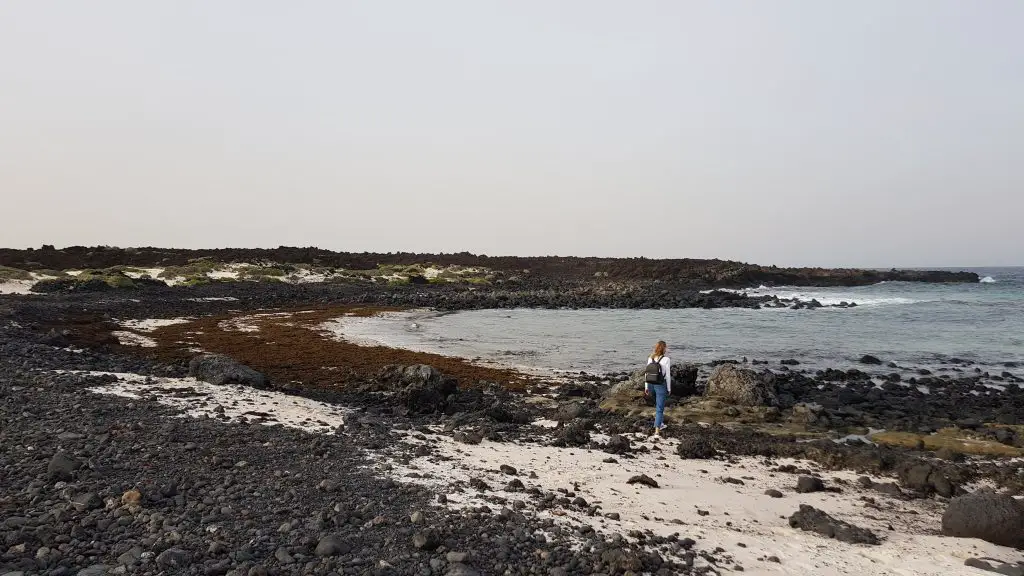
(573, 434)
(926, 479)
(218, 369)
(684, 380)
(809, 484)
(420, 387)
(331, 546)
(571, 411)
(742, 387)
(697, 448)
(811, 519)
(643, 479)
(995, 518)
(174, 558)
(62, 466)
(618, 444)
(426, 540)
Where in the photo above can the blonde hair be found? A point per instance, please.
(659, 349)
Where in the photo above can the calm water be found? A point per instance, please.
(911, 324)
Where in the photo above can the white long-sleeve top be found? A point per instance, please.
(666, 369)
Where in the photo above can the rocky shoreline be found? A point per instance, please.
(307, 455)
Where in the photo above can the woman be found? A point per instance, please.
(658, 380)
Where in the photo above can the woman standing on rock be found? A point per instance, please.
(658, 379)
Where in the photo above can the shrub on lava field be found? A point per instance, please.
(119, 281)
(14, 274)
(200, 267)
(51, 273)
(196, 280)
(114, 279)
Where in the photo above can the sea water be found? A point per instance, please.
(915, 325)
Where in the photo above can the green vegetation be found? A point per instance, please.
(114, 279)
(197, 281)
(14, 274)
(260, 273)
(53, 273)
(199, 267)
(400, 270)
(950, 439)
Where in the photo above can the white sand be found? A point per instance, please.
(756, 520)
(248, 323)
(223, 274)
(127, 338)
(16, 286)
(737, 513)
(151, 324)
(237, 401)
(151, 272)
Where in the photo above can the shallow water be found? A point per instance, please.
(915, 325)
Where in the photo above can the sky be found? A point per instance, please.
(871, 133)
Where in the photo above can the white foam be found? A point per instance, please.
(361, 330)
(738, 513)
(988, 280)
(825, 298)
(214, 299)
(203, 399)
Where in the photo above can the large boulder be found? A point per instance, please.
(420, 387)
(742, 387)
(995, 518)
(218, 369)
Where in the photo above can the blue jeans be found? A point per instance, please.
(660, 392)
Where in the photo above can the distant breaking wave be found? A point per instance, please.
(825, 298)
(988, 280)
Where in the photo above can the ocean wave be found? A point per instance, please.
(988, 280)
(825, 298)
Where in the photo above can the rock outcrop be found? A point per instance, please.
(421, 388)
(741, 387)
(218, 369)
(811, 519)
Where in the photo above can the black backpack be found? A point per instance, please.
(653, 373)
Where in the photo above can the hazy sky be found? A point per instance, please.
(866, 133)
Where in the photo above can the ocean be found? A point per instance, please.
(912, 324)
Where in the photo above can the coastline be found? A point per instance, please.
(341, 423)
